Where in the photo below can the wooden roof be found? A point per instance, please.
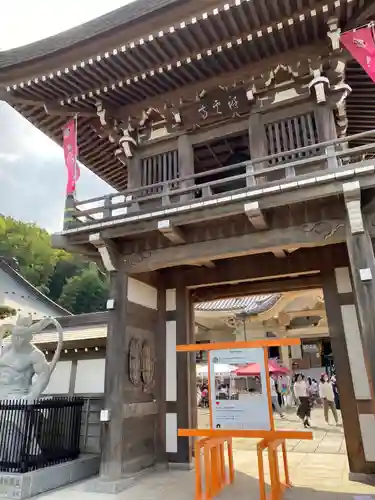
(169, 49)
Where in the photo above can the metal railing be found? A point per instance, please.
(325, 157)
(40, 434)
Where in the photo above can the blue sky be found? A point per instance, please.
(32, 170)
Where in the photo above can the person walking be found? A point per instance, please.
(328, 396)
(302, 393)
(274, 396)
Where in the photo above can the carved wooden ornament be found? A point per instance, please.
(147, 364)
(135, 370)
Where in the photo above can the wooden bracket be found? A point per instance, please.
(281, 254)
(255, 215)
(209, 264)
(352, 196)
(107, 251)
(173, 234)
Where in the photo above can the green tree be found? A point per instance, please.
(86, 292)
(70, 280)
(31, 246)
(66, 267)
(6, 312)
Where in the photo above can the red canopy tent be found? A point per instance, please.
(253, 369)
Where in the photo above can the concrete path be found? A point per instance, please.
(318, 470)
(314, 477)
(327, 438)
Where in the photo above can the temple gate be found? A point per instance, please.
(235, 136)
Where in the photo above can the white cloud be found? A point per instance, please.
(33, 174)
(9, 157)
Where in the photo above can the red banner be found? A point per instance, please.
(71, 154)
(361, 45)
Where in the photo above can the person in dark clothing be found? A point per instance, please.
(301, 391)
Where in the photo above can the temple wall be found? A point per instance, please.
(139, 431)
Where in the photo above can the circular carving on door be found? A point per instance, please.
(135, 369)
(147, 364)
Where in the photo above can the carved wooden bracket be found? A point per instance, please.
(334, 33)
(107, 251)
(173, 234)
(126, 134)
(255, 215)
(320, 86)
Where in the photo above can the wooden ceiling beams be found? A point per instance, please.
(262, 267)
(265, 287)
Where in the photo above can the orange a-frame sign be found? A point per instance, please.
(271, 433)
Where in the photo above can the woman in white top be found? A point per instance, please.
(328, 396)
(301, 392)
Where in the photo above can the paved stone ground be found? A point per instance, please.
(318, 470)
(327, 438)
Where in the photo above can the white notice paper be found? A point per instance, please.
(244, 408)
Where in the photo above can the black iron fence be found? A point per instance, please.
(37, 435)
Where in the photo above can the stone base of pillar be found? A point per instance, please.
(182, 466)
(113, 487)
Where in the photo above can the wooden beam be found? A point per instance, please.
(314, 234)
(189, 92)
(258, 287)
(305, 332)
(361, 15)
(255, 215)
(259, 267)
(63, 243)
(173, 234)
(306, 313)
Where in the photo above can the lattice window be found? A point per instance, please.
(159, 168)
(292, 133)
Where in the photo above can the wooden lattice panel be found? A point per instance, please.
(289, 134)
(159, 168)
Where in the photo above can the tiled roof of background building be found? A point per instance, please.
(251, 305)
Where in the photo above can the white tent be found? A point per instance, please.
(220, 370)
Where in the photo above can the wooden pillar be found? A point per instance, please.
(362, 269)
(257, 145)
(180, 383)
(134, 172)
(115, 378)
(326, 129)
(349, 358)
(134, 166)
(185, 163)
(362, 266)
(285, 358)
(161, 374)
(325, 123)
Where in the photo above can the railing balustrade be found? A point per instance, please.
(328, 157)
(40, 434)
